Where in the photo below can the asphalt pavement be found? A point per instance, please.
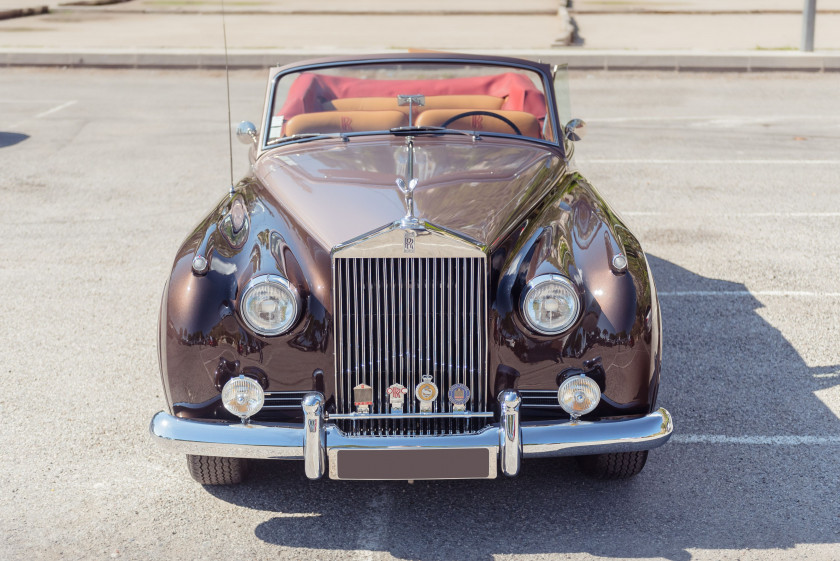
(729, 181)
(746, 35)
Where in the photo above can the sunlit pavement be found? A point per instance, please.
(730, 182)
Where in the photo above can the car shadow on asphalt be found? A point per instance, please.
(726, 371)
(11, 138)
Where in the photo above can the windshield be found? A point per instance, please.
(387, 96)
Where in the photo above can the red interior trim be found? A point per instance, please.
(310, 91)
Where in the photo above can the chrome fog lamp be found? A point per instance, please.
(579, 395)
(269, 305)
(550, 304)
(243, 397)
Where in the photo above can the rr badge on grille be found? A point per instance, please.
(426, 392)
(396, 392)
(409, 240)
(459, 395)
(363, 398)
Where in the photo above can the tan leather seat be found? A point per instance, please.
(344, 121)
(486, 102)
(525, 122)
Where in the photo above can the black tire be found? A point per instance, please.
(618, 465)
(210, 470)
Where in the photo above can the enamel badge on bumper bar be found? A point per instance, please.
(426, 392)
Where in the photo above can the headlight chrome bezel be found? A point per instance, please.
(567, 285)
(283, 284)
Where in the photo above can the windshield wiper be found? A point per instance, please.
(346, 136)
(432, 130)
(302, 136)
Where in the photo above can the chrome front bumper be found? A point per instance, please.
(317, 440)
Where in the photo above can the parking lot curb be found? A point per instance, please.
(23, 12)
(577, 59)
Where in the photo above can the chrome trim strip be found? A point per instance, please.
(345, 136)
(485, 438)
(387, 241)
(399, 348)
(285, 441)
(457, 313)
(296, 405)
(314, 438)
(531, 399)
(471, 317)
(510, 435)
(450, 357)
(482, 351)
(435, 328)
(410, 318)
(428, 314)
(378, 346)
(398, 416)
(362, 318)
(337, 315)
(283, 400)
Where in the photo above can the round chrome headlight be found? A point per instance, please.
(243, 396)
(550, 304)
(269, 305)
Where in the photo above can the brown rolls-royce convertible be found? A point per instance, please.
(412, 282)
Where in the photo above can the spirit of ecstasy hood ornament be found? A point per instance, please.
(409, 220)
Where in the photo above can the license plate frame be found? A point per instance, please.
(412, 463)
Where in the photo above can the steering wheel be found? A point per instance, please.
(505, 120)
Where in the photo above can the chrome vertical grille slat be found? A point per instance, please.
(399, 319)
(450, 337)
(339, 345)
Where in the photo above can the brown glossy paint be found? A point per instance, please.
(515, 197)
(341, 190)
(533, 215)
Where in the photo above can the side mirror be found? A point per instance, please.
(246, 132)
(575, 129)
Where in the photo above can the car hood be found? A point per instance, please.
(339, 190)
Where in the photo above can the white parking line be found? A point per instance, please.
(50, 111)
(645, 161)
(55, 109)
(777, 440)
(56, 100)
(710, 118)
(737, 293)
(740, 214)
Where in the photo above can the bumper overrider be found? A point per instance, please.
(499, 446)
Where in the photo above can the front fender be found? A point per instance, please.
(575, 233)
(203, 339)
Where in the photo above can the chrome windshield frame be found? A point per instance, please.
(544, 71)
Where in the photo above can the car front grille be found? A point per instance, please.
(281, 406)
(283, 400)
(400, 319)
(539, 398)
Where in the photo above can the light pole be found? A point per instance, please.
(809, 14)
